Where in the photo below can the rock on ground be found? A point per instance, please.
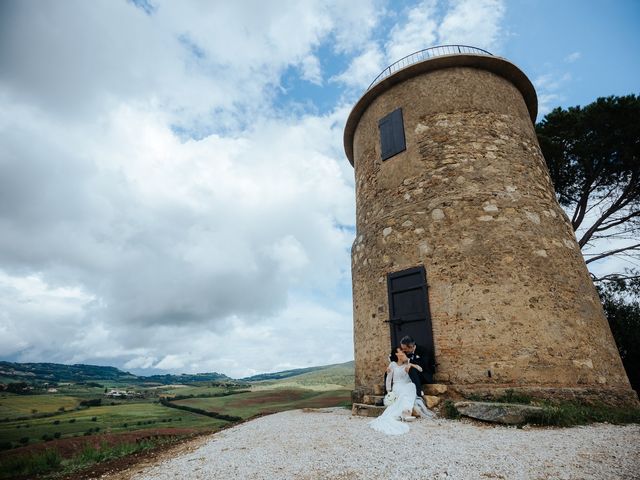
(331, 444)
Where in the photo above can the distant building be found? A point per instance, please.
(123, 394)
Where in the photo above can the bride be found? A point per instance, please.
(392, 421)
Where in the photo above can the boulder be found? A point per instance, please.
(431, 400)
(434, 389)
(505, 413)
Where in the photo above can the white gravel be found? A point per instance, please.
(331, 444)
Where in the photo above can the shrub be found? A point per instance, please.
(511, 396)
(566, 414)
(73, 420)
(46, 437)
(57, 435)
(56, 422)
(94, 419)
(24, 440)
(29, 465)
(450, 410)
(5, 445)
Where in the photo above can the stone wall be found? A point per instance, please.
(471, 200)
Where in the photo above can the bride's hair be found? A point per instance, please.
(393, 357)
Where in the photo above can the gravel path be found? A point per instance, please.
(331, 444)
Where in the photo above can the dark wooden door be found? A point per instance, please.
(409, 307)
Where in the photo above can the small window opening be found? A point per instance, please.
(392, 139)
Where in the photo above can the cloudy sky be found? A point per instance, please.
(173, 191)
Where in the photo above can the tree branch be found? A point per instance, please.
(613, 252)
(621, 202)
(615, 222)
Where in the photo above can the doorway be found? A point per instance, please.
(409, 307)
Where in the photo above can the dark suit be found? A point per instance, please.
(425, 359)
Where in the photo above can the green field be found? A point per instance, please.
(39, 417)
(108, 419)
(332, 377)
(13, 406)
(173, 390)
(248, 404)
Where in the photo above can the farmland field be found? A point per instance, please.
(248, 404)
(12, 406)
(108, 419)
(65, 424)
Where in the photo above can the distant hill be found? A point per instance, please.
(79, 373)
(283, 374)
(340, 374)
(186, 378)
(56, 372)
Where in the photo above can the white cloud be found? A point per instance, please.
(427, 24)
(163, 235)
(572, 57)
(473, 22)
(311, 70)
(363, 69)
(417, 32)
(549, 88)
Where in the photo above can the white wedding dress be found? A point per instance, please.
(390, 422)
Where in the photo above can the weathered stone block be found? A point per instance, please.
(373, 399)
(363, 410)
(434, 389)
(431, 400)
(505, 413)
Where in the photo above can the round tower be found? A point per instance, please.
(460, 241)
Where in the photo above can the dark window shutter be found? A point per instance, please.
(392, 139)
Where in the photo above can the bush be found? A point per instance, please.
(567, 414)
(450, 410)
(46, 437)
(94, 419)
(56, 422)
(5, 445)
(29, 465)
(511, 396)
(73, 420)
(24, 440)
(57, 435)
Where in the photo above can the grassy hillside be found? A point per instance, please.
(329, 377)
(40, 373)
(248, 404)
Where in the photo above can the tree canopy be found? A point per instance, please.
(593, 156)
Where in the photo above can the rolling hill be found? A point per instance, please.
(335, 375)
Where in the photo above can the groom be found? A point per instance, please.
(419, 355)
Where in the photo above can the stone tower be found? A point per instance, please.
(460, 241)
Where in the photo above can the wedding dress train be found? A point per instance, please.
(390, 422)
